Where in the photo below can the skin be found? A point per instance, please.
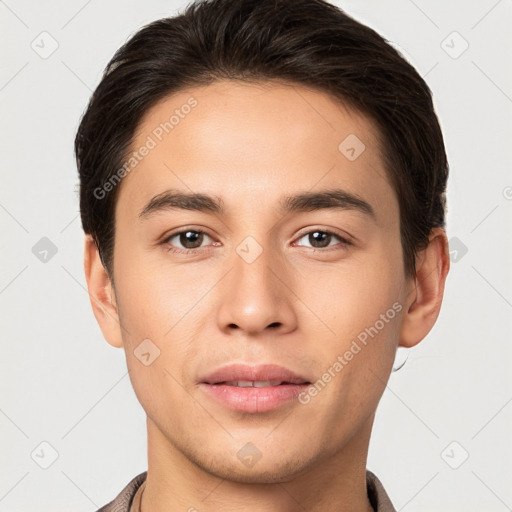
(250, 144)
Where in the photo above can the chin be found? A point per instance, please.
(269, 471)
(253, 475)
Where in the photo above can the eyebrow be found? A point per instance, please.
(302, 202)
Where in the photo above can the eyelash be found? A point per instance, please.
(342, 244)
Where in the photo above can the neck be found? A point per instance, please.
(176, 483)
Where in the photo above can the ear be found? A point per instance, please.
(426, 292)
(101, 294)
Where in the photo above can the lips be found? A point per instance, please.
(253, 389)
(242, 375)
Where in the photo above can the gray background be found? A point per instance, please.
(442, 435)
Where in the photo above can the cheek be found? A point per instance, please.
(357, 358)
(350, 298)
(158, 389)
(152, 301)
(156, 339)
(360, 306)
(160, 315)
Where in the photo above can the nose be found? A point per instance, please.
(257, 296)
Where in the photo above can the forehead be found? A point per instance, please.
(231, 138)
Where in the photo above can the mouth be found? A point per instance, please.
(254, 389)
(262, 375)
(254, 384)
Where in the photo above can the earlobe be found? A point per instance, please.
(101, 294)
(424, 304)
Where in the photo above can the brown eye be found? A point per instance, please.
(191, 239)
(187, 239)
(320, 239)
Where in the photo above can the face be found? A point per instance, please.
(255, 274)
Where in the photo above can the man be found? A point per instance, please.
(262, 190)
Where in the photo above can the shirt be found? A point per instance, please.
(128, 499)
